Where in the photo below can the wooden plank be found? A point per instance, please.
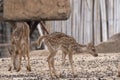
(74, 13)
(96, 29)
(69, 21)
(75, 21)
(88, 21)
(79, 21)
(115, 16)
(110, 17)
(64, 27)
(118, 16)
(103, 18)
(82, 23)
(85, 21)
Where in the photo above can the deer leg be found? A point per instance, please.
(50, 59)
(71, 62)
(118, 73)
(26, 54)
(64, 53)
(28, 61)
(24, 57)
(11, 64)
(63, 57)
(15, 62)
(54, 70)
(19, 62)
(51, 65)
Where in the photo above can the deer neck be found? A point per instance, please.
(81, 48)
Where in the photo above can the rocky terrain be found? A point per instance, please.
(87, 67)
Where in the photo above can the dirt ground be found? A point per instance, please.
(87, 67)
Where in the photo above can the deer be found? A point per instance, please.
(19, 46)
(60, 41)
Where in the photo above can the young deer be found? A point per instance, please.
(19, 46)
(60, 41)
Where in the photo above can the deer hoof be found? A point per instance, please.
(9, 68)
(75, 75)
(28, 68)
(118, 74)
(18, 70)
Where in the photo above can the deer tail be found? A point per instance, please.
(39, 41)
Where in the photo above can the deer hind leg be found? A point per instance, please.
(63, 58)
(28, 63)
(51, 65)
(64, 53)
(50, 60)
(54, 70)
(28, 60)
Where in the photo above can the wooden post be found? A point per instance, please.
(43, 27)
(96, 29)
(110, 4)
(88, 21)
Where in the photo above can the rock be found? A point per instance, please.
(36, 9)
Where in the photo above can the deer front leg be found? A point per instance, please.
(19, 62)
(12, 64)
(71, 62)
(15, 62)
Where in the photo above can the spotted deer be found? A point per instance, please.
(60, 41)
(19, 46)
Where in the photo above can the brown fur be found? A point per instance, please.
(19, 45)
(67, 44)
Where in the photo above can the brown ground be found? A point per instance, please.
(87, 67)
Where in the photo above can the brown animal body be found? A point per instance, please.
(19, 46)
(60, 41)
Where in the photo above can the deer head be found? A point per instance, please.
(91, 49)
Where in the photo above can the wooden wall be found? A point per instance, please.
(90, 20)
